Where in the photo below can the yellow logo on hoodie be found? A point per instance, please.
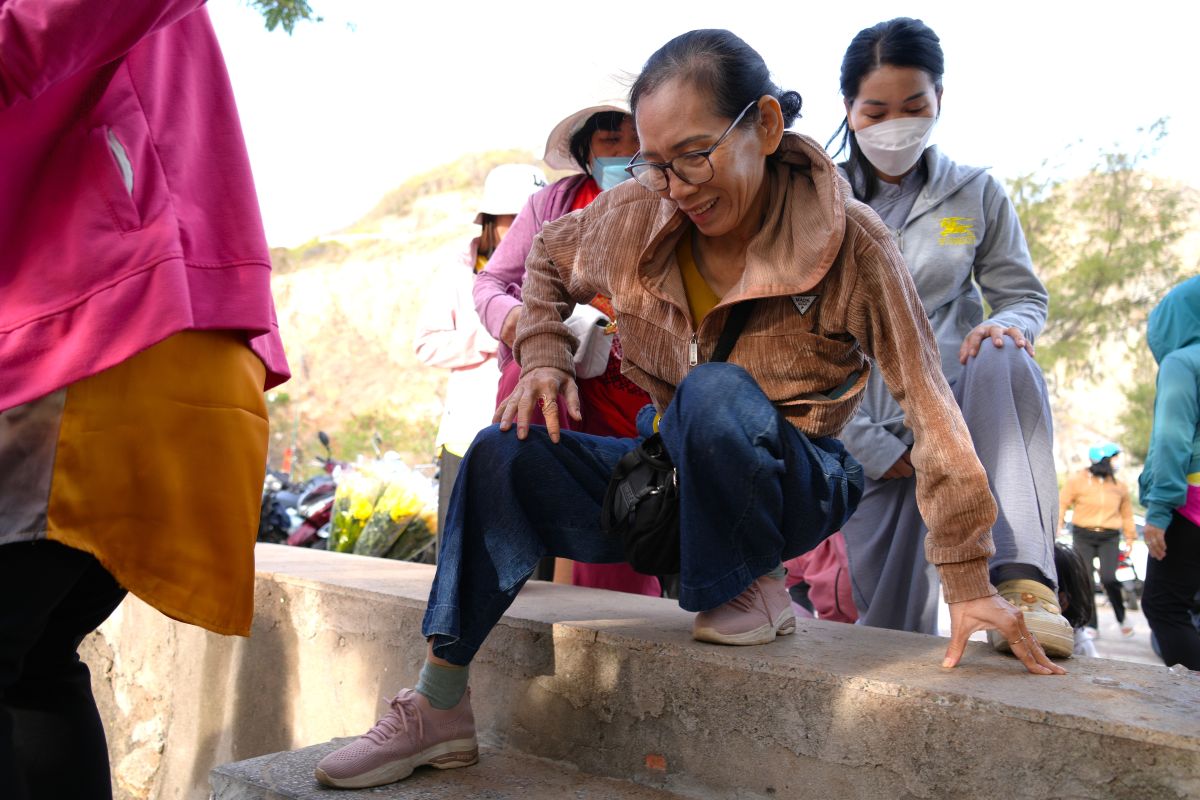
(957, 230)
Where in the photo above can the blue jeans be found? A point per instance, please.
(754, 491)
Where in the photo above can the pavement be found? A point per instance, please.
(1111, 644)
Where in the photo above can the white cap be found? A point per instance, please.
(506, 189)
(558, 144)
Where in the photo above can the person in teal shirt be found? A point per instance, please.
(1170, 481)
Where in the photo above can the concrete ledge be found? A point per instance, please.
(614, 685)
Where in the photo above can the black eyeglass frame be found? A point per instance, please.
(662, 167)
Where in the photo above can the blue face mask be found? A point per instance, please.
(608, 172)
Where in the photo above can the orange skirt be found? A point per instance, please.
(158, 473)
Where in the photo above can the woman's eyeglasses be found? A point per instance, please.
(691, 168)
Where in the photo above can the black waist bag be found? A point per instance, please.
(642, 507)
(641, 504)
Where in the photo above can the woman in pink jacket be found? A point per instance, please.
(598, 141)
(137, 334)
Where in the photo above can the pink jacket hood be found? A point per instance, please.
(127, 206)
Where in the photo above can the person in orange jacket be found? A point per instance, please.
(1102, 511)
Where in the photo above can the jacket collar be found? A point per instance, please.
(945, 178)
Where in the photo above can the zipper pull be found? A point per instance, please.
(693, 352)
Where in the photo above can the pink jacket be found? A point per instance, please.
(826, 571)
(127, 207)
(498, 287)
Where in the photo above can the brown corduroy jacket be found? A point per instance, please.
(832, 290)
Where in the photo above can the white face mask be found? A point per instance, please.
(895, 146)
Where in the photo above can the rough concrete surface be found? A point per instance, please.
(499, 775)
(614, 685)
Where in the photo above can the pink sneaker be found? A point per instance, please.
(756, 616)
(412, 733)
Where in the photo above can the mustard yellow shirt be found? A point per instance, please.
(158, 474)
(700, 296)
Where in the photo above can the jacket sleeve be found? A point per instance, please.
(449, 334)
(1176, 418)
(498, 286)
(871, 444)
(554, 284)
(1127, 523)
(44, 42)
(1004, 270)
(1066, 498)
(889, 322)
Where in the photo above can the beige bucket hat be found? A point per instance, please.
(558, 144)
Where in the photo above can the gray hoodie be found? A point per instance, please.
(961, 236)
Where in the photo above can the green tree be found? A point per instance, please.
(1137, 419)
(284, 12)
(1106, 247)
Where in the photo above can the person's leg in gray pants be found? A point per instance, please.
(885, 545)
(1004, 402)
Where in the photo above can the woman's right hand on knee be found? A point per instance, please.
(543, 386)
(971, 344)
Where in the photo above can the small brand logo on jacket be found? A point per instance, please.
(804, 302)
(957, 230)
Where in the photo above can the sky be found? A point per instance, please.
(347, 109)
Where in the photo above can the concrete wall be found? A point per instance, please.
(178, 700)
(614, 684)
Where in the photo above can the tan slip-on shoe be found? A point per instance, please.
(1043, 617)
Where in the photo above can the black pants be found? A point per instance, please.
(51, 739)
(1171, 586)
(1105, 545)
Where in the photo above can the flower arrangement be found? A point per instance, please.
(384, 508)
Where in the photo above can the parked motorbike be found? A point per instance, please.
(1131, 584)
(314, 507)
(279, 495)
(298, 514)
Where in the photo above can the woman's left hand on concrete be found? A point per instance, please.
(994, 612)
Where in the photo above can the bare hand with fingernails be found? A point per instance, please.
(994, 612)
(971, 344)
(542, 386)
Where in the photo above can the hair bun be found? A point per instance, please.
(790, 103)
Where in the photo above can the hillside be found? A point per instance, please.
(348, 304)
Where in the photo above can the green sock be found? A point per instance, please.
(778, 573)
(442, 686)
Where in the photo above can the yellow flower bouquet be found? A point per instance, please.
(384, 508)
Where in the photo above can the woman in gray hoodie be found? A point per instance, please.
(957, 231)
